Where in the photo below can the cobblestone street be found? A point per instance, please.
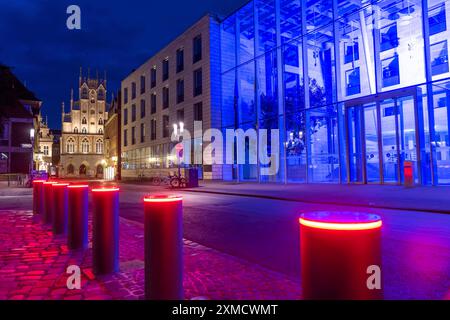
(33, 265)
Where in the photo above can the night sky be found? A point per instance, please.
(116, 36)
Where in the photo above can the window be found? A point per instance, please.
(198, 82)
(45, 150)
(75, 130)
(391, 75)
(85, 145)
(165, 97)
(197, 49)
(180, 60)
(180, 90)
(101, 94)
(165, 69)
(125, 137)
(70, 147)
(388, 37)
(133, 113)
(84, 130)
(92, 111)
(100, 121)
(142, 84)
(133, 135)
(84, 121)
(351, 51)
(180, 115)
(100, 131)
(99, 146)
(84, 93)
(353, 81)
(142, 132)
(133, 90)
(125, 95)
(125, 116)
(142, 108)
(153, 129)
(436, 19)
(198, 111)
(165, 126)
(153, 77)
(439, 58)
(153, 103)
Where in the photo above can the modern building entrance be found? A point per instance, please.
(384, 131)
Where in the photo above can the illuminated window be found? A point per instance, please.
(99, 146)
(85, 145)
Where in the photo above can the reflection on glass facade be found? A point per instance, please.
(356, 88)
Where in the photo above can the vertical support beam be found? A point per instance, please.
(376, 47)
(430, 107)
(306, 90)
(337, 59)
(256, 85)
(238, 100)
(280, 92)
(367, 53)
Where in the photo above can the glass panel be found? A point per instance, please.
(354, 144)
(407, 127)
(388, 112)
(290, 20)
(398, 26)
(246, 33)
(266, 38)
(228, 43)
(371, 142)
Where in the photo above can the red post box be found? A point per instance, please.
(37, 196)
(77, 235)
(60, 202)
(105, 231)
(48, 202)
(337, 249)
(163, 228)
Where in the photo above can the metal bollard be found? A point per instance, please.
(60, 202)
(163, 219)
(48, 201)
(337, 250)
(37, 196)
(105, 232)
(77, 235)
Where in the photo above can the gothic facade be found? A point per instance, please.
(82, 137)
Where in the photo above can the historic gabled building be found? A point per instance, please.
(82, 137)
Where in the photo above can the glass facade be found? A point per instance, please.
(356, 88)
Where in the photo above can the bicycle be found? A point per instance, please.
(177, 181)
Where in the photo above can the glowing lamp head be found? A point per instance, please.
(340, 221)
(162, 198)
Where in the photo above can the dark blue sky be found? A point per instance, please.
(116, 36)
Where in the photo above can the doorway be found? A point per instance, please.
(382, 133)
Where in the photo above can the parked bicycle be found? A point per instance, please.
(172, 180)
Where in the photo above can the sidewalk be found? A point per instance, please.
(33, 265)
(431, 199)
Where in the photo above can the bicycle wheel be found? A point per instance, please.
(175, 182)
(156, 181)
(183, 183)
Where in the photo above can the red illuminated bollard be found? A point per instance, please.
(37, 196)
(48, 201)
(408, 173)
(77, 233)
(60, 202)
(338, 252)
(105, 231)
(163, 219)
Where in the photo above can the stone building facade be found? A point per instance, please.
(82, 136)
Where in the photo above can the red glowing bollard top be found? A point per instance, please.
(105, 230)
(163, 247)
(77, 233)
(337, 249)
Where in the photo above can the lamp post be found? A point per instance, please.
(175, 130)
(32, 150)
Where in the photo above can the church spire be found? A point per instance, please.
(71, 100)
(81, 77)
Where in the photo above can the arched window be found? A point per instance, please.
(100, 121)
(85, 145)
(75, 130)
(84, 121)
(70, 169)
(101, 94)
(84, 93)
(70, 145)
(83, 130)
(100, 131)
(99, 146)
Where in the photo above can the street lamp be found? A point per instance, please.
(32, 149)
(175, 130)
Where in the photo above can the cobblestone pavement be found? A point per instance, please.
(33, 265)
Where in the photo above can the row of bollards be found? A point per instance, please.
(65, 207)
(337, 249)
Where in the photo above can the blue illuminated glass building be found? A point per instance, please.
(356, 87)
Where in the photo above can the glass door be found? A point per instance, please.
(381, 135)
